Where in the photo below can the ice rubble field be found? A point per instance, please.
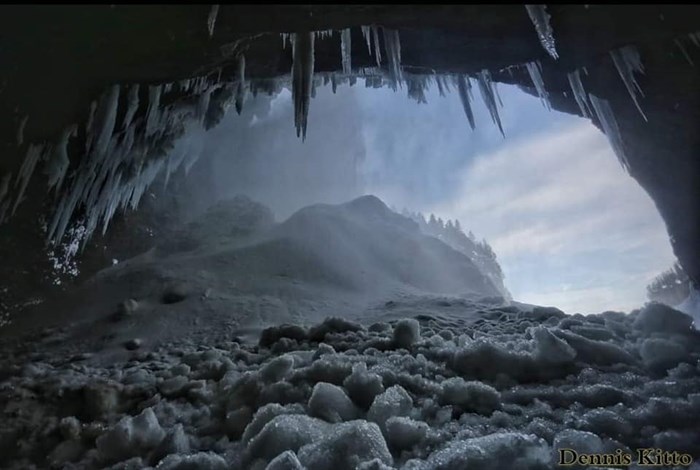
(501, 391)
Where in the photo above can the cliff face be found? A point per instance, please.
(59, 59)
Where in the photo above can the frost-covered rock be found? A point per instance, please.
(363, 386)
(657, 317)
(493, 452)
(470, 396)
(131, 437)
(264, 415)
(330, 403)
(404, 433)
(175, 442)
(406, 333)
(237, 420)
(661, 354)
(344, 446)
(277, 369)
(395, 401)
(198, 461)
(287, 460)
(581, 441)
(550, 349)
(286, 432)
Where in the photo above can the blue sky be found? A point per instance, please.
(569, 226)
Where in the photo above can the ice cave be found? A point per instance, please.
(362, 237)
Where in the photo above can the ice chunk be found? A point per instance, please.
(286, 432)
(130, 437)
(493, 452)
(302, 79)
(540, 18)
(211, 19)
(487, 94)
(346, 50)
(550, 349)
(330, 403)
(627, 61)
(392, 44)
(464, 89)
(581, 441)
(607, 120)
(277, 369)
(287, 460)
(395, 401)
(363, 386)
(535, 70)
(345, 446)
(198, 461)
(404, 433)
(406, 333)
(175, 442)
(471, 396)
(263, 416)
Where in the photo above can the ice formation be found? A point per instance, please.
(377, 50)
(367, 35)
(628, 61)
(392, 44)
(241, 86)
(534, 69)
(487, 94)
(579, 92)
(58, 162)
(464, 89)
(607, 120)
(302, 79)
(20, 130)
(34, 153)
(346, 50)
(211, 19)
(540, 18)
(132, 105)
(681, 47)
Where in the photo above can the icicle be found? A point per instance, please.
(392, 44)
(241, 88)
(441, 89)
(463, 87)
(346, 50)
(132, 105)
(367, 33)
(579, 92)
(211, 20)
(302, 79)
(533, 68)
(607, 120)
(58, 163)
(20, 130)
(25, 172)
(540, 18)
(88, 126)
(105, 119)
(152, 114)
(487, 94)
(5, 185)
(695, 37)
(627, 61)
(496, 94)
(684, 52)
(377, 50)
(169, 86)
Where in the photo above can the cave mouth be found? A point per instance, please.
(228, 240)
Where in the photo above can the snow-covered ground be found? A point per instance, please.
(211, 352)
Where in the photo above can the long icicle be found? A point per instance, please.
(463, 86)
(346, 50)
(302, 79)
(579, 92)
(540, 18)
(627, 61)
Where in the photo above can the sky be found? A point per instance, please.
(569, 226)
